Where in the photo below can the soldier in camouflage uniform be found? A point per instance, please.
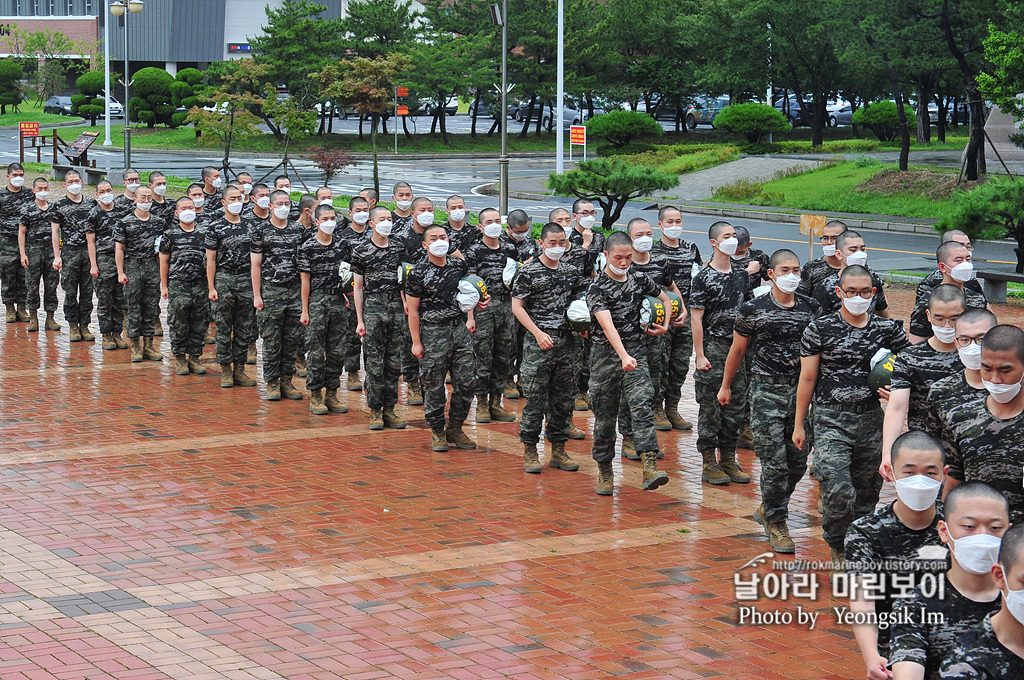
(826, 265)
(307, 204)
(754, 261)
(927, 624)
(715, 295)
(441, 339)
(401, 216)
(582, 235)
(379, 315)
(40, 254)
(955, 269)
(770, 327)
(836, 352)
(323, 311)
(519, 234)
(410, 232)
(460, 233)
(72, 213)
(850, 249)
(353, 234)
(229, 287)
(162, 208)
(259, 212)
(276, 296)
(99, 238)
(618, 361)
(541, 295)
(13, 198)
(495, 325)
(183, 285)
(138, 270)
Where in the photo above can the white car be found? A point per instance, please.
(116, 109)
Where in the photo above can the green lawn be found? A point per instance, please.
(29, 112)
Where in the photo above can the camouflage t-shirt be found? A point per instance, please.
(719, 294)
(978, 655)
(412, 241)
(579, 259)
(680, 264)
(73, 219)
(11, 205)
(321, 262)
(400, 224)
(754, 255)
(622, 300)
(436, 287)
(926, 641)
(461, 239)
(656, 267)
(231, 242)
(165, 212)
(378, 266)
(352, 237)
(101, 223)
(527, 248)
(825, 294)
(489, 263)
(881, 544)
(774, 332)
(845, 355)
(123, 205)
(945, 398)
(812, 273)
(546, 293)
(188, 253)
(990, 450)
(919, 316)
(138, 236)
(279, 247)
(916, 369)
(38, 223)
(576, 237)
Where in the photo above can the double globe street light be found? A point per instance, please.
(117, 8)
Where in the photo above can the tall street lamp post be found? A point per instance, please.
(117, 8)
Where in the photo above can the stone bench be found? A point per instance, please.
(995, 283)
(89, 175)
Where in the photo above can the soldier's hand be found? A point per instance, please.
(754, 267)
(544, 340)
(484, 302)
(629, 363)
(799, 437)
(417, 350)
(658, 329)
(703, 364)
(360, 329)
(122, 279)
(257, 302)
(212, 295)
(164, 293)
(885, 468)
(471, 325)
(877, 669)
(24, 261)
(94, 272)
(304, 318)
(588, 237)
(884, 392)
(58, 263)
(724, 395)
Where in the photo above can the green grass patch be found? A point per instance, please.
(678, 159)
(30, 112)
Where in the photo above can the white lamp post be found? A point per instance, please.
(106, 76)
(117, 8)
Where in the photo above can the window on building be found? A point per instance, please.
(71, 8)
(53, 8)
(88, 8)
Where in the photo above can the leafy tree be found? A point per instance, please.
(612, 183)
(10, 87)
(1003, 79)
(377, 28)
(187, 92)
(44, 51)
(230, 121)
(740, 59)
(752, 120)
(622, 127)
(330, 161)
(533, 54)
(91, 86)
(992, 211)
(883, 119)
(248, 80)
(151, 100)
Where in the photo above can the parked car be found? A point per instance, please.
(705, 110)
(667, 110)
(840, 113)
(59, 104)
(451, 107)
(340, 112)
(572, 115)
(116, 109)
(797, 115)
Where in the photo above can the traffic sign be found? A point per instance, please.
(578, 134)
(403, 110)
(403, 92)
(29, 129)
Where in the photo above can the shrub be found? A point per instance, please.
(608, 149)
(752, 120)
(760, 148)
(882, 118)
(612, 183)
(622, 127)
(991, 211)
(10, 87)
(152, 101)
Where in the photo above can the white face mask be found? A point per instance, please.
(970, 356)
(263, 202)
(106, 199)
(857, 305)
(615, 270)
(829, 251)
(425, 219)
(976, 553)
(235, 208)
(383, 228)
(187, 216)
(327, 226)
(144, 207)
(215, 183)
(281, 212)
(160, 189)
(247, 188)
(361, 217)
(672, 232)
(918, 492)
(17, 181)
(492, 230)
(438, 248)
(587, 221)
(963, 272)
(643, 244)
(554, 253)
(132, 187)
(403, 205)
(199, 202)
(520, 236)
(1002, 393)
(788, 283)
(42, 195)
(943, 334)
(729, 245)
(75, 189)
(1014, 600)
(327, 201)
(860, 257)
(457, 214)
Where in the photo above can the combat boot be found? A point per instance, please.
(510, 391)
(274, 389)
(745, 441)
(250, 355)
(12, 313)
(456, 436)
(498, 413)
(136, 344)
(661, 421)
(672, 413)
(51, 323)
(731, 467)
(712, 472)
(158, 329)
(519, 389)
(180, 364)
(415, 393)
(605, 479)
(21, 313)
(108, 341)
(438, 439)
(483, 410)
(377, 419)
(316, 403)
(240, 378)
(778, 534)
(560, 459)
(653, 477)
(300, 365)
(575, 432)
(149, 352)
(74, 335)
(581, 403)
(227, 376)
(629, 448)
(211, 336)
(331, 401)
(195, 365)
(33, 322)
(120, 341)
(355, 383)
(392, 421)
(531, 461)
(288, 390)
(87, 335)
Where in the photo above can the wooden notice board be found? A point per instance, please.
(78, 147)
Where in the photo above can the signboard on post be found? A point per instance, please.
(29, 129)
(403, 111)
(403, 92)
(811, 226)
(77, 148)
(577, 137)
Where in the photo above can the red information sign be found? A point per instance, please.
(403, 92)
(29, 129)
(578, 135)
(403, 110)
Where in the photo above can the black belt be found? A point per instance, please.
(234, 272)
(500, 296)
(862, 407)
(774, 380)
(560, 333)
(391, 294)
(448, 322)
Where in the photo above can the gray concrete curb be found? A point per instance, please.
(219, 151)
(48, 126)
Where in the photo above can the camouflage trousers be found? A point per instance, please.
(280, 329)
(109, 295)
(446, 348)
(351, 343)
(516, 358)
(410, 364)
(188, 315)
(77, 283)
(325, 337)
(492, 345)
(548, 387)
(772, 413)
(40, 267)
(679, 348)
(609, 384)
(385, 324)
(12, 274)
(847, 453)
(656, 346)
(718, 426)
(234, 315)
(582, 377)
(142, 295)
